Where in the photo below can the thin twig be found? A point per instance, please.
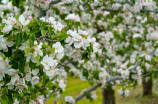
(49, 40)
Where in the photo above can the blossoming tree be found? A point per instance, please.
(39, 53)
(119, 26)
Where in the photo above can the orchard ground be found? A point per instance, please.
(75, 86)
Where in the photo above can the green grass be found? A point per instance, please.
(75, 86)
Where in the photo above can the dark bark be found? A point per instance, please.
(147, 85)
(108, 96)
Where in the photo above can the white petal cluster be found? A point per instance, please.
(23, 21)
(77, 40)
(93, 95)
(57, 25)
(103, 77)
(44, 4)
(73, 17)
(70, 99)
(5, 44)
(123, 92)
(62, 85)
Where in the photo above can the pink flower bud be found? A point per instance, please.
(30, 18)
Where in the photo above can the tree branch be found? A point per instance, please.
(96, 86)
(144, 75)
(43, 38)
(110, 68)
(136, 65)
(54, 2)
(87, 92)
(147, 10)
(129, 3)
(109, 9)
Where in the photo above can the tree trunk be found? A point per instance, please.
(108, 96)
(147, 85)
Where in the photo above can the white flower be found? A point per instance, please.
(28, 76)
(14, 75)
(59, 55)
(37, 48)
(76, 54)
(70, 99)
(7, 28)
(47, 62)
(62, 85)
(52, 20)
(58, 47)
(4, 44)
(43, 19)
(35, 72)
(78, 44)
(21, 84)
(73, 17)
(32, 102)
(10, 85)
(23, 21)
(4, 1)
(126, 92)
(69, 40)
(31, 56)
(76, 36)
(51, 73)
(34, 80)
(82, 32)
(58, 26)
(41, 99)
(137, 35)
(1, 75)
(9, 21)
(125, 73)
(116, 6)
(16, 101)
(148, 57)
(93, 95)
(120, 91)
(68, 50)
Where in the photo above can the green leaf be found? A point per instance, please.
(33, 23)
(25, 37)
(52, 50)
(22, 64)
(7, 35)
(27, 50)
(38, 59)
(44, 45)
(31, 40)
(18, 40)
(9, 53)
(43, 32)
(32, 65)
(17, 16)
(4, 100)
